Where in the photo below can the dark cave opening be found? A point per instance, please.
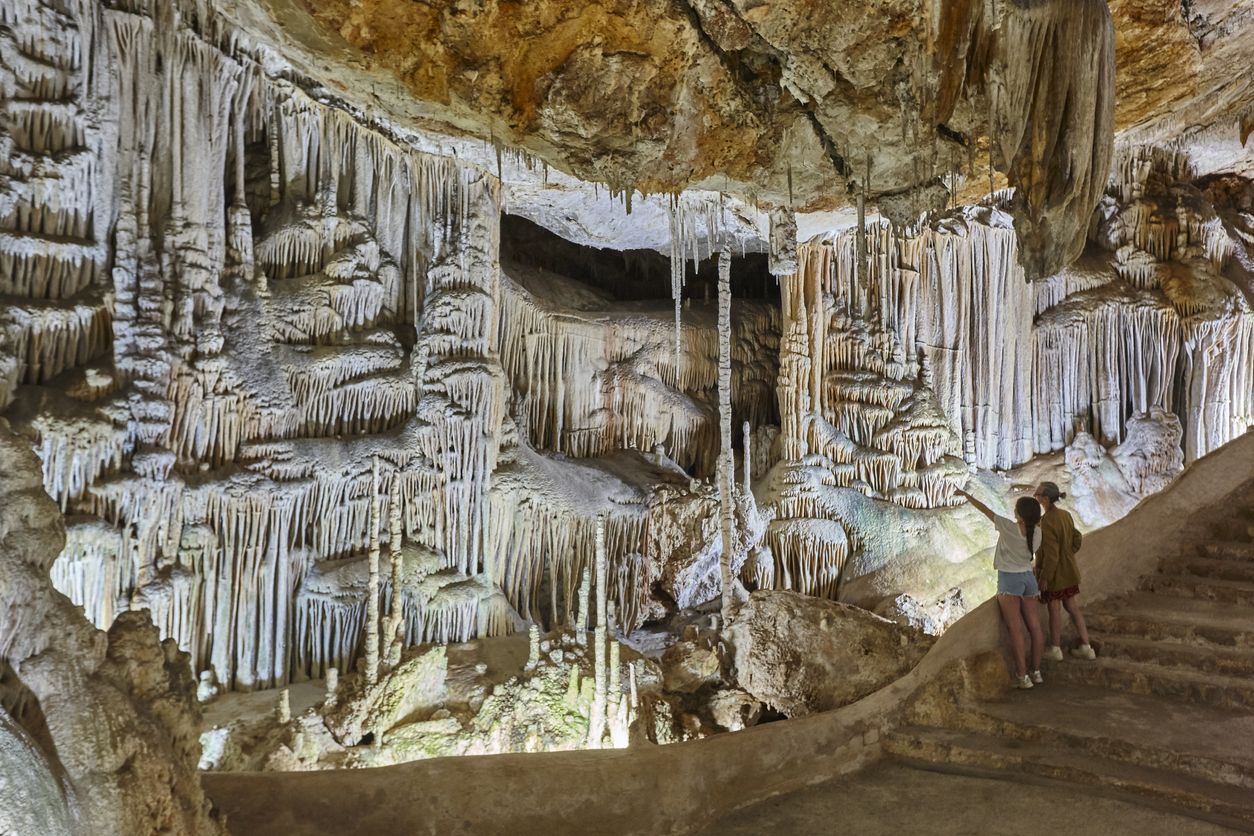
(631, 275)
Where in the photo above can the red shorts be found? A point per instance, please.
(1059, 595)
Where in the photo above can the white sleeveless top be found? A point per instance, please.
(1012, 546)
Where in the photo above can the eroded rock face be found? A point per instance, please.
(31, 800)
(1183, 73)
(801, 655)
(73, 681)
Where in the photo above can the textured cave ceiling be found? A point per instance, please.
(786, 103)
(776, 104)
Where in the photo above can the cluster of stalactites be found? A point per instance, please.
(592, 382)
(534, 545)
(1112, 337)
(1146, 331)
(179, 397)
(954, 294)
(690, 226)
(850, 393)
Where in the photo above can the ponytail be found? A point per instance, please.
(1029, 510)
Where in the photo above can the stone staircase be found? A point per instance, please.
(1165, 715)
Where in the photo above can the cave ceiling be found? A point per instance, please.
(795, 104)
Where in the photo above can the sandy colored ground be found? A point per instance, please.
(890, 800)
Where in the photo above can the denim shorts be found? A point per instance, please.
(1022, 584)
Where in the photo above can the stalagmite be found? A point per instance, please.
(596, 718)
(726, 470)
(747, 461)
(617, 711)
(394, 626)
(332, 688)
(533, 646)
(371, 632)
(615, 680)
(283, 710)
(581, 615)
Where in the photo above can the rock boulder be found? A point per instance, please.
(800, 654)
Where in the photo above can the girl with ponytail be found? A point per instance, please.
(1017, 542)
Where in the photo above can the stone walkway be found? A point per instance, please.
(894, 800)
(1166, 713)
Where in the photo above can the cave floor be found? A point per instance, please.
(894, 800)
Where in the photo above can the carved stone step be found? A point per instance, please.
(1208, 660)
(1168, 618)
(1229, 567)
(1227, 692)
(986, 756)
(1140, 730)
(1233, 550)
(1187, 585)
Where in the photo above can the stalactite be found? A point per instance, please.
(861, 279)
(726, 471)
(783, 243)
(677, 281)
(372, 587)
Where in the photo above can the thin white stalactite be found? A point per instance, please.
(677, 281)
(726, 470)
(372, 584)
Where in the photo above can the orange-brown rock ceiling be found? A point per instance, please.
(784, 102)
(610, 83)
(1184, 69)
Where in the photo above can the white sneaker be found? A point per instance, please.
(1054, 654)
(1037, 679)
(1084, 651)
(1024, 682)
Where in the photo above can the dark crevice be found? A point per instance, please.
(736, 64)
(952, 135)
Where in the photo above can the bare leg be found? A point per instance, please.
(1032, 617)
(1077, 617)
(1055, 624)
(1010, 613)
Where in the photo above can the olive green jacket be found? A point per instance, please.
(1056, 567)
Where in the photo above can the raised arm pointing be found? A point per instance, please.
(979, 506)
